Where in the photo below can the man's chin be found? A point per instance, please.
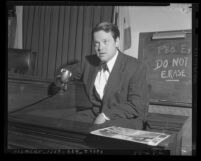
(102, 59)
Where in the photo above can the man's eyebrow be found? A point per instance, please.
(105, 39)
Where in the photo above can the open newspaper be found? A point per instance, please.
(140, 136)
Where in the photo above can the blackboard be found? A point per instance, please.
(169, 66)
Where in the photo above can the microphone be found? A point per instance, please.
(63, 78)
(65, 75)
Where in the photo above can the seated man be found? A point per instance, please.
(115, 83)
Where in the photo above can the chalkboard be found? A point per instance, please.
(169, 66)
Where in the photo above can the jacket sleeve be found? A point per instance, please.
(137, 99)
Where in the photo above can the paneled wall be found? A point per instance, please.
(60, 34)
(187, 128)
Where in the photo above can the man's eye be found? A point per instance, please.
(105, 41)
(96, 44)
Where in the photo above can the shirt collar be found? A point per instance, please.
(111, 62)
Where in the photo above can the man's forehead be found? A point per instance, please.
(102, 35)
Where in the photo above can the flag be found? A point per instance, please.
(121, 18)
(18, 33)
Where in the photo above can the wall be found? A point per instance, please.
(149, 19)
(166, 18)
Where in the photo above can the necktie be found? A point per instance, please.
(101, 79)
(104, 67)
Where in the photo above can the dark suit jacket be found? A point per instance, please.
(126, 90)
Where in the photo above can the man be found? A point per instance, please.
(115, 83)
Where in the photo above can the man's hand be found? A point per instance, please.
(100, 119)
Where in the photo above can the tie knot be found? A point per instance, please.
(104, 67)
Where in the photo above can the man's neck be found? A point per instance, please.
(111, 62)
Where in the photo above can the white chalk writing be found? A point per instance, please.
(166, 49)
(171, 74)
(172, 69)
(185, 49)
(180, 61)
(161, 63)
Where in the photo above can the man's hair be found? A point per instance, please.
(107, 27)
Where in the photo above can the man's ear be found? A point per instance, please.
(117, 42)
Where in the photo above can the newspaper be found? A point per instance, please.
(140, 136)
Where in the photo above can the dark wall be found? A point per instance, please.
(60, 34)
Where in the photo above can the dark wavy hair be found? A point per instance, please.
(107, 27)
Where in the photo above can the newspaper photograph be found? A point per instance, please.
(140, 136)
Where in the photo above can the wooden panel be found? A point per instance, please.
(47, 33)
(72, 33)
(107, 10)
(96, 15)
(187, 128)
(60, 36)
(87, 30)
(25, 90)
(42, 44)
(34, 42)
(26, 138)
(53, 42)
(66, 39)
(29, 27)
(25, 25)
(79, 36)
(24, 129)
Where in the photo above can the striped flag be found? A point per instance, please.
(122, 20)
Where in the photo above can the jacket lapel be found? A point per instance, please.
(115, 77)
(92, 75)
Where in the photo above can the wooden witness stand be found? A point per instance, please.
(43, 125)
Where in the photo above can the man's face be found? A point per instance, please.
(105, 45)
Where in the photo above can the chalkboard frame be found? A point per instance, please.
(169, 37)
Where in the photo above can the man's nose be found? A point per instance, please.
(100, 47)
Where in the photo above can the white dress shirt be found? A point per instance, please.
(102, 78)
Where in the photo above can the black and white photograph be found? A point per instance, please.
(75, 68)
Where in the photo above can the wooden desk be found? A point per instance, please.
(44, 125)
(35, 132)
(24, 90)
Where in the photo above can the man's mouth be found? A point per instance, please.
(101, 54)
